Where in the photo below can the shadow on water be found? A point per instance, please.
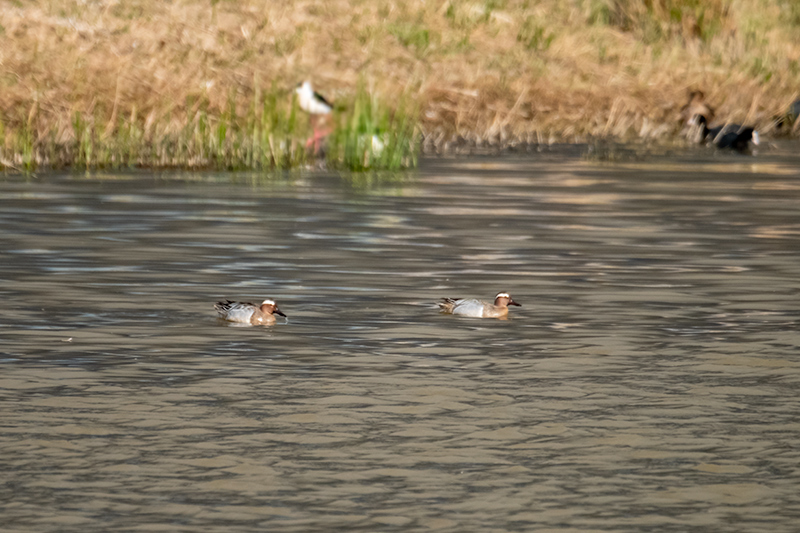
(648, 383)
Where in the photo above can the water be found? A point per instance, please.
(648, 383)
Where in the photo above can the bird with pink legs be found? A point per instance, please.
(320, 110)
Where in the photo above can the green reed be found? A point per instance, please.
(368, 135)
(267, 133)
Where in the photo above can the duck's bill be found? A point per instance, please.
(512, 302)
(279, 312)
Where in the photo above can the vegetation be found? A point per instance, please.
(271, 133)
(197, 84)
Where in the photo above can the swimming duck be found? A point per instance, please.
(730, 136)
(734, 137)
(479, 308)
(249, 313)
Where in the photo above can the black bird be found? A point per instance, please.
(730, 136)
(736, 138)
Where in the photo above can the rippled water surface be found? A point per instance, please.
(649, 382)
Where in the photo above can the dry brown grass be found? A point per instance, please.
(483, 70)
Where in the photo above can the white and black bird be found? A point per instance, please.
(311, 101)
(320, 109)
(728, 136)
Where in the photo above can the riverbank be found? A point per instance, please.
(192, 84)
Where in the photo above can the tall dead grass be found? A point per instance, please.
(104, 73)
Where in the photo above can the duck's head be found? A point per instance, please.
(503, 299)
(270, 307)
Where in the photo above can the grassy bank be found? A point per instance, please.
(199, 84)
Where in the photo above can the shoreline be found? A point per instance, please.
(103, 85)
(596, 152)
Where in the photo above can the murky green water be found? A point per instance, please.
(649, 382)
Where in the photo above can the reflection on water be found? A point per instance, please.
(649, 383)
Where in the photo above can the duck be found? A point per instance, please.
(478, 308)
(729, 136)
(249, 313)
(734, 137)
